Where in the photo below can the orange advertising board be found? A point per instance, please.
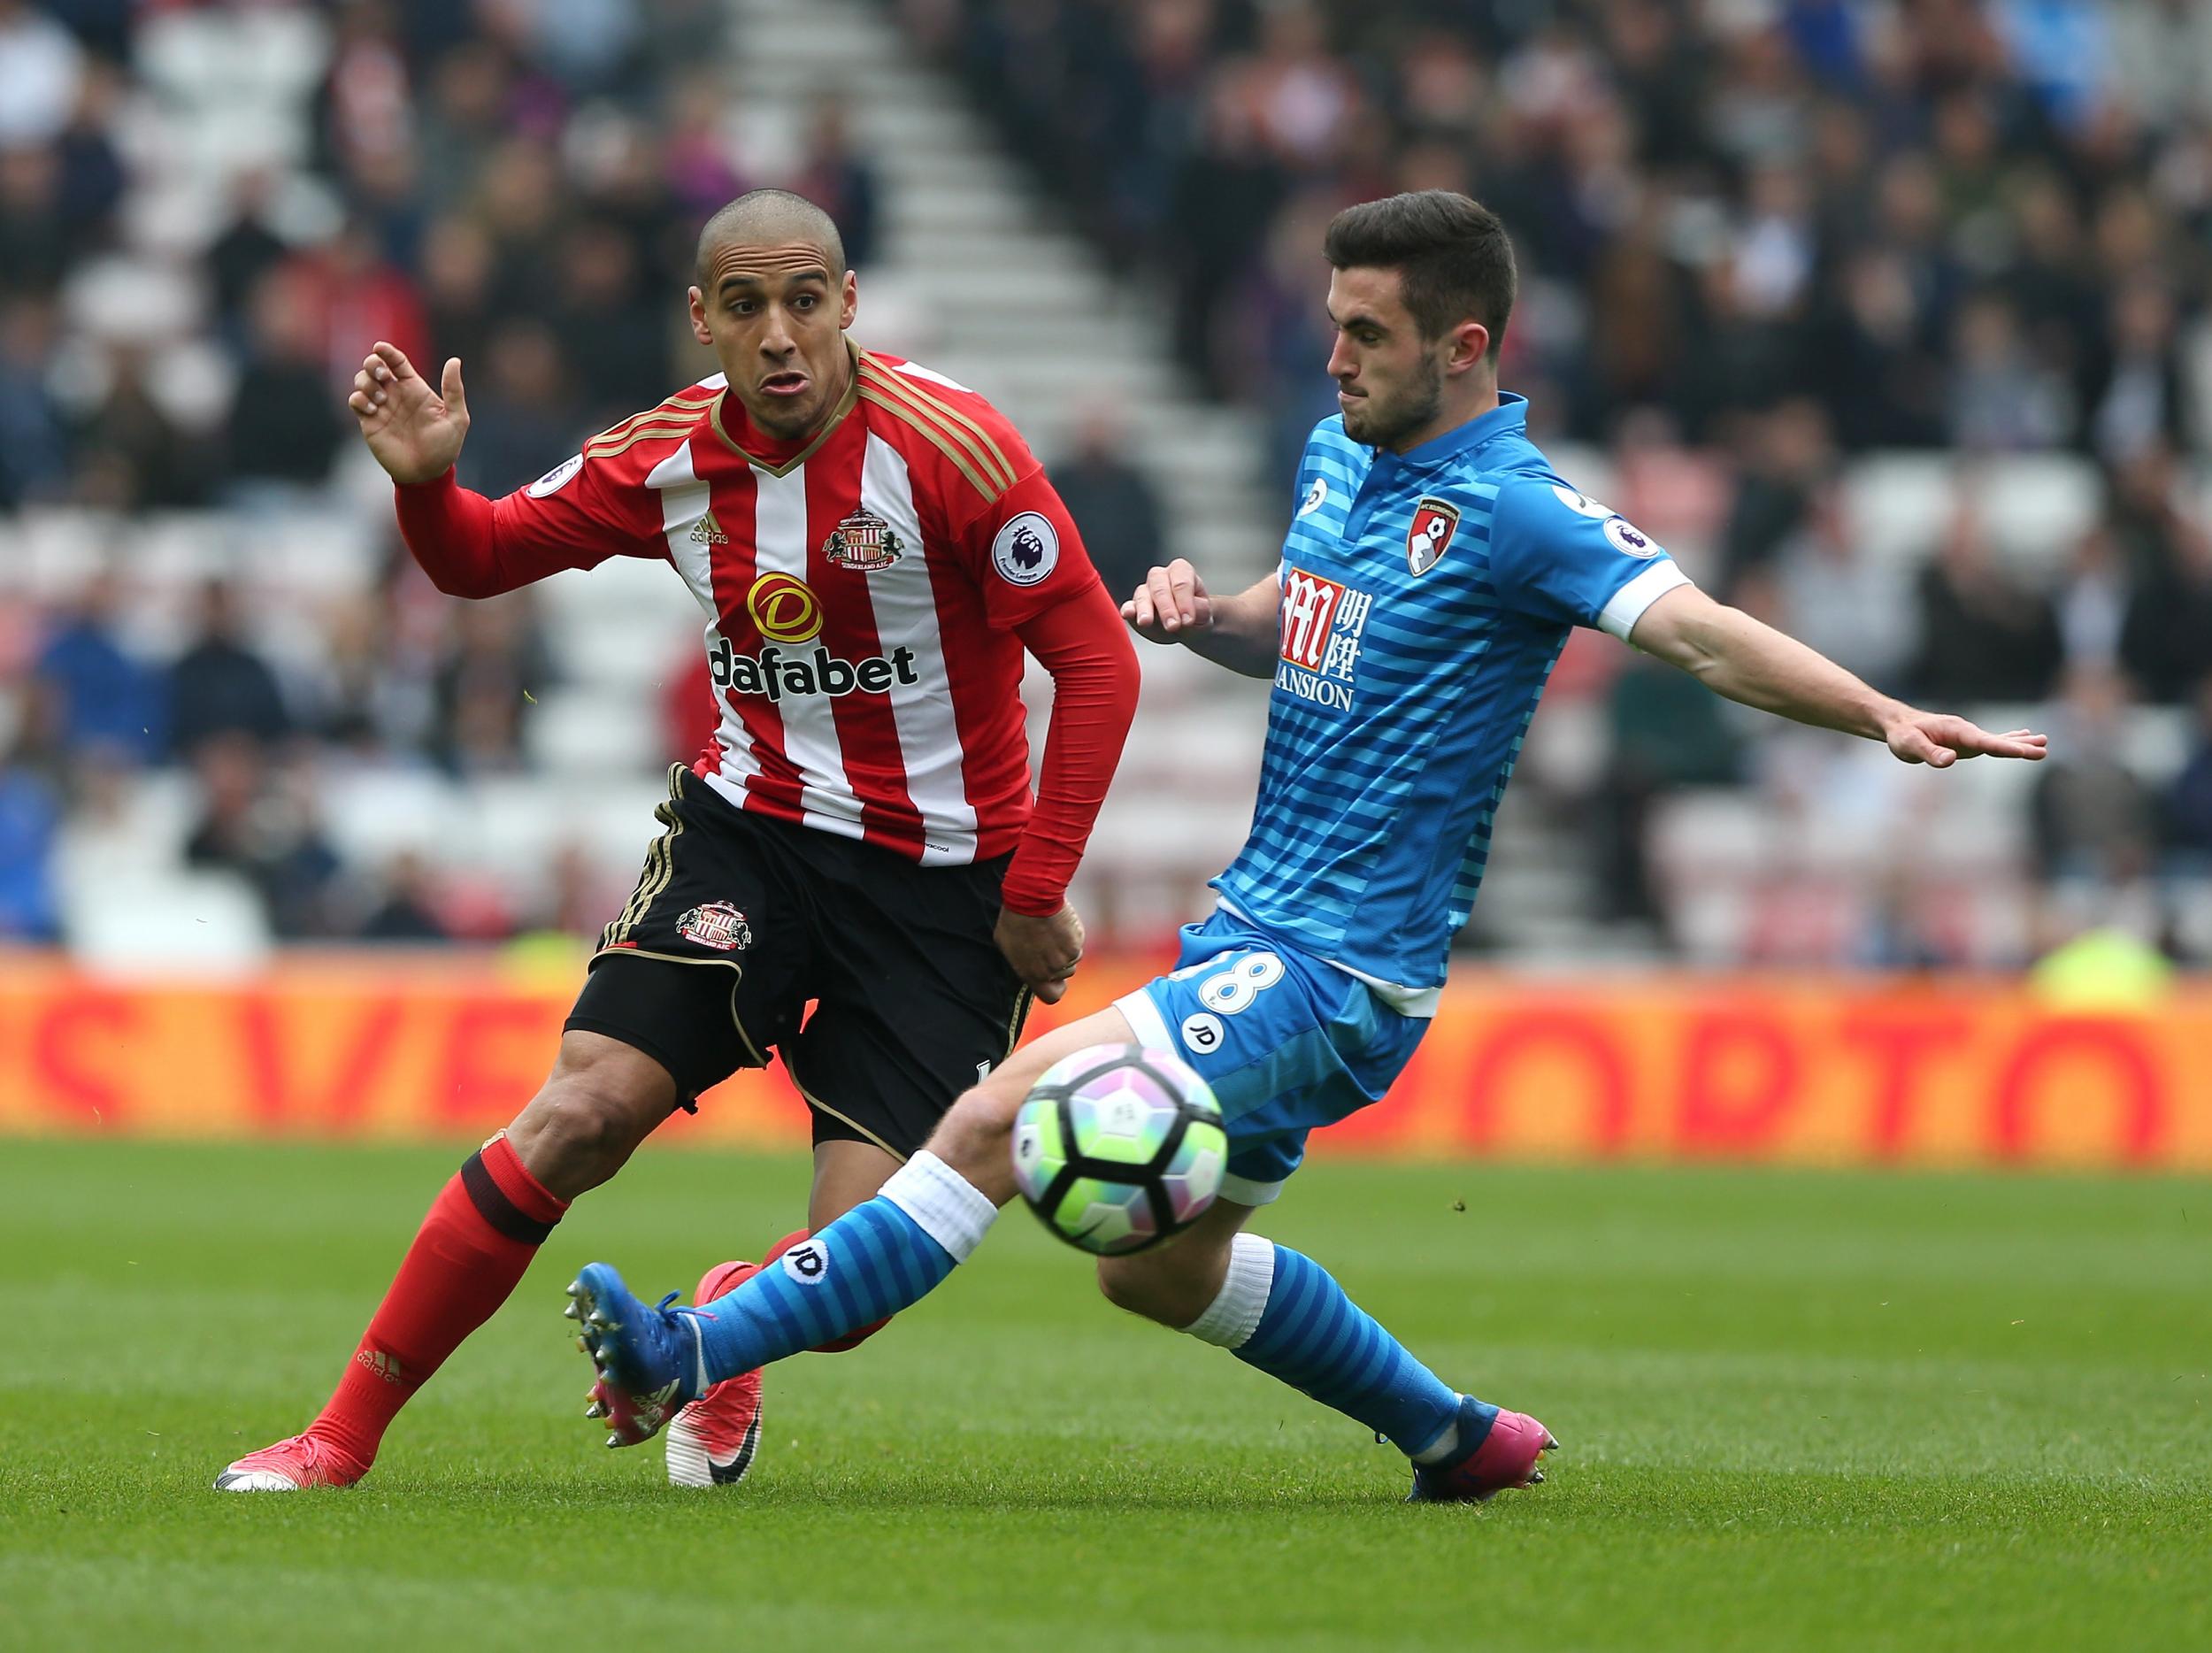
(1827, 1071)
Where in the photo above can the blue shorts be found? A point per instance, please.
(1287, 1042)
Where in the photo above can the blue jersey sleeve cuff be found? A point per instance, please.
(1619, 616)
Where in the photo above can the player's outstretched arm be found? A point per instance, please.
(1734, 655)
(414, 431)
(1239, 631)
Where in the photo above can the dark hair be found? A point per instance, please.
(1452, 256)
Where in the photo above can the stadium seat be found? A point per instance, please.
(167, 922)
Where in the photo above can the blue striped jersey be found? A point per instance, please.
(1424, 598)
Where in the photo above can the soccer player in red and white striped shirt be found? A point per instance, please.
(875, 549)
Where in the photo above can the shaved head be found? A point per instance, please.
(765, 218)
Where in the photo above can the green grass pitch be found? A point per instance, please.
(1798, 1411)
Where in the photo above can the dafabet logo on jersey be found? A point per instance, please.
(786, 611)
(1323, 624)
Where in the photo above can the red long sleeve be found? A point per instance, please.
(474, 547)
(1084, 644)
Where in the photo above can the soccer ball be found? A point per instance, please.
(1118, 1148)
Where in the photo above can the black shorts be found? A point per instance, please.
(740, 922)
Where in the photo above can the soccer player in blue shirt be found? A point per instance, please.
(1432, 574)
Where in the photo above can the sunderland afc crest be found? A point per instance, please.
(716, 925)
(865, 541)
(1434, 522)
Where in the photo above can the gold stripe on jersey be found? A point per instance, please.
(671, 407)
(606, 448)
(960, 457)
(837, 416)
(989, 456)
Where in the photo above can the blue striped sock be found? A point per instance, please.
(1316, 1339)
(872, 1261)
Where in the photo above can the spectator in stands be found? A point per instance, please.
(354, 291)
(408, 912)
(34, 443)
(689, 710)
(614, 346)
(134, 451)
(1983, 634)
(246, 250)
(1113, 503)
(2189, 799)
(1663, 739)
(30, 815)
(36, 244)
(576, 897)
(369, 697)
(2093, 819)
(2134, 394)
(92, 182)
(2003, 399)
(2092, 601)
(1899, 931)
(523, 410)
(284, 424)
(836, 175)
(462, 121)
(456, 278)
(2139, 586)
(1855, 608)
(495, 664)
(220, 685)
(265, 833)
(101, 694)
(30, 822)
(1226, 194)
(1787, 457)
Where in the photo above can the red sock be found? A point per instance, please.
(853, 1339)
(482, 1230)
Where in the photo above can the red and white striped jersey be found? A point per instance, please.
(861, 590)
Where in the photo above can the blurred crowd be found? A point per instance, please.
(1757, 239)
(1994, 209)
(393, 679)
(1761, 240)
(205, 212)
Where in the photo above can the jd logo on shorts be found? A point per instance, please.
(807, 1263)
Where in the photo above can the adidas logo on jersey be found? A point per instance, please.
(707, 531)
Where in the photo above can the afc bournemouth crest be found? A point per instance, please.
(717, 925)
(1434, 522)
(863, 540)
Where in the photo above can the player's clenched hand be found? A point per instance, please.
(414, 431)
(1172, 605)
(1043, 951)
(1939, 740)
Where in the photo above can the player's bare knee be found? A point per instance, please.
(589, 1116)
(973, 1138)
(1142, 1286)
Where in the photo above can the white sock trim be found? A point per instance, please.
(1233, 1315)
(1145, 1020)
(944, 1205)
